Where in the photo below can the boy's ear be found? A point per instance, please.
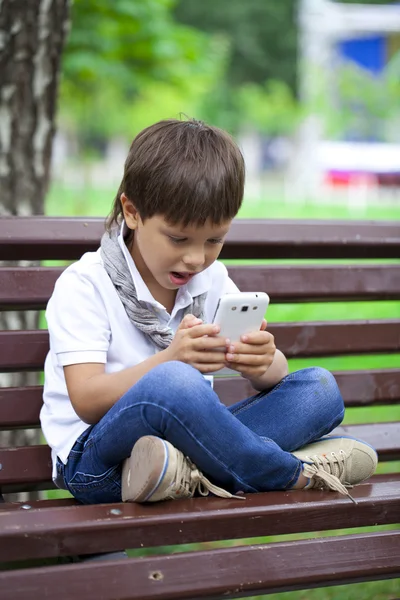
(131, 214)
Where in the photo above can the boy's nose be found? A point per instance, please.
(194, 260)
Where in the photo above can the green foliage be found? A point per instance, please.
(270, 108)
(128, 63)
(122, 53)
(127, 42)
(262, 34)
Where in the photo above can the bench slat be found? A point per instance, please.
(25, 288)
(26, 468)
(26, 350)
(311, 283)
(78, 529)
(68, 501)
(226, 572)
(38, 238)
(20, 406)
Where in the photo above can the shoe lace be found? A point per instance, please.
(327, 471)
(190, 480)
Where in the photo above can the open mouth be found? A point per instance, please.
(178, 278)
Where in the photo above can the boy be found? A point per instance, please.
(129, 411)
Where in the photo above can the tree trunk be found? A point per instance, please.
(32, 34)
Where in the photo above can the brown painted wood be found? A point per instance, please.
(29, 467)
(25, 465)
(337, 337)
(369, 387)
(38, 238)
(71, 530)
(20, 406)
(222, 573)
(33, 505)
(23, 350)
(313, 283)
(25, 288)
(26, 350)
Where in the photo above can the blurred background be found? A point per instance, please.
(309, 88)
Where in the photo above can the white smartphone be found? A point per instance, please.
(240, 313)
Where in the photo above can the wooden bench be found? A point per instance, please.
(45, 529)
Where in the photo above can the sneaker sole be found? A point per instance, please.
(144, 470)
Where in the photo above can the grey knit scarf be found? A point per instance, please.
(138, 312)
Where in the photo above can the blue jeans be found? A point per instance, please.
(244, 447)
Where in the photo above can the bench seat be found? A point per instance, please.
(47, 531)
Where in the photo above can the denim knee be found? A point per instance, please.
(174, 391)
(176, 375)
(326, 391)
(175, 383)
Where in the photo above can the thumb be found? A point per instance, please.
(263, 325)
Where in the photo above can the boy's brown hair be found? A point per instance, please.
(186, 171)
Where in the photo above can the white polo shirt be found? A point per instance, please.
(87, 322)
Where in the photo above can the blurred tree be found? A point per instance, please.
(262, 34)
(257, 87)
(31, 41)
(119, 50)
(270, 108)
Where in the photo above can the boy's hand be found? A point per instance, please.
(195, 344)
(253, 355)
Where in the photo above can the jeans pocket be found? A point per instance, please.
(94, 489)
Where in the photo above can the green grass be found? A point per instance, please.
(93, 202)
(97, 203)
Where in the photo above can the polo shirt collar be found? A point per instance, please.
(198, 285)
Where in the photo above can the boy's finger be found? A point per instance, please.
(263, 325)
(246, 360)
(210, 358)
(204, 329)
(209, 343)
(189, 321)
(251, 349)
(257, 337)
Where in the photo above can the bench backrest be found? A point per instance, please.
(27, 288)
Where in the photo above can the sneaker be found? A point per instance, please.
(337, 463)
(156, 471)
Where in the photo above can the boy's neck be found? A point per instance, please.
(166, 298)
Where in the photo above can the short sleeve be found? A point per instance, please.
(77, 320)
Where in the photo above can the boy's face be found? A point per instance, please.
(168, 256)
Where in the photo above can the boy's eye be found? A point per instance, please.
(216, 241)
(176, 240)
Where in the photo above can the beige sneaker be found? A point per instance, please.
(336, 463)
(156, 471)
